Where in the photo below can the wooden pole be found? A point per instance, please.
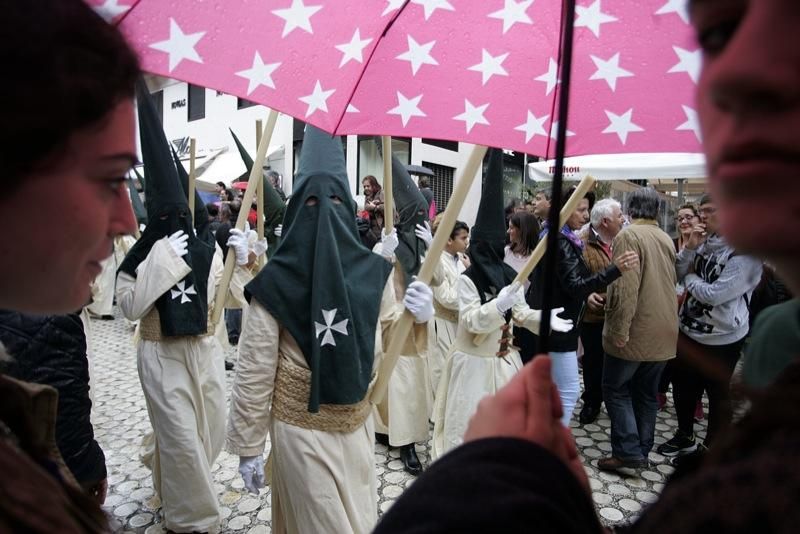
(388, 192)
(432, 259)
(192, 178)
(256, 174)
(260, 198)
(541, 247)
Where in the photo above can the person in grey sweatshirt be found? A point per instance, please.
(713, 323)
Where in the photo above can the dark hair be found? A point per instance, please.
(70, 70)
(230, 196)
(705, 198)
(460, 225)
(221, 184)
(424, 181)
(590, 196)
(546, 192)
(372, 182)
(528, 232)
(212, 209)
(511, 206)
(643, 203)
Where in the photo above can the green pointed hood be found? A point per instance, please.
(168, 212)
(322, 284)
(274, 206)
(201, 223)
(488, 270)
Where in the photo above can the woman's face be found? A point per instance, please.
(686, 220)
(580, 216)
(748, 103)
(367, 188)
(513, 233)
(81, 203)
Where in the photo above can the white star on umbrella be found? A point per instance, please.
(432, 5)
(675, 6)
(318, 99)
(609, 70)
(689, 62)
(111, 9)
(622, 125)
(351, 109)
(550, 77)
(418, 54)
(554, 131)
(354, 49)
(259, 74)
(298, 15)
(691, 124)
(490, 65)
(392, 5)
(329, 327)
(533, 126)
(179, 46)
(592, 18)
(182, 291)
(407, 108)
(512, 13)
(472, 115)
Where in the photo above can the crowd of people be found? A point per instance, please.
(317, 318)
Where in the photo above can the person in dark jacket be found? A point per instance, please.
(574, 283)
(51, 350)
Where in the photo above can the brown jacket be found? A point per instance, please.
(641, 308)
(37, 491)
(598, 260)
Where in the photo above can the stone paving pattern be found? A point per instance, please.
(120, 422)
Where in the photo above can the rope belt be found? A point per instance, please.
(290, 403)
(150, 328)
(445, 313)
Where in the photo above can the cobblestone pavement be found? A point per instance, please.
(120, 420)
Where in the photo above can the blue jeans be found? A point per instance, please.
(565, 375)
(233, 322)
(629, 391)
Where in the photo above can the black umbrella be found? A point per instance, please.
(419, 169)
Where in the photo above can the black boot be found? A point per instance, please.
(410, 461)
(588, 414)
(383, 439)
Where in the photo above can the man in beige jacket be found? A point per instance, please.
(640, 334)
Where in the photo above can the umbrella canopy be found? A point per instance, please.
(482, 72)
(419, 170)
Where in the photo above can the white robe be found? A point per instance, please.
(472, 372)
(321, 481)
(184, 386)
(442, 332)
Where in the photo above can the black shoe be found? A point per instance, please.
(228, 365)
(233, 340)
(383, 439)
(689, 459)
(678, 445)
(588, 414)
(106, 317)
(408, 454)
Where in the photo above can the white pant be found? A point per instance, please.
(565, 375)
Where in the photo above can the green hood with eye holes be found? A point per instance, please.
(322, 284)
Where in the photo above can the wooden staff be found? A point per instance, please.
(388, 192)
(256, 174)
(192, 149)
(541, 247)
(432, 259)
(260, 199)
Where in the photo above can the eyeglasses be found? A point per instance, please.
(687, 218)
(708, 210)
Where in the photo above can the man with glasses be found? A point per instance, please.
(713, 323)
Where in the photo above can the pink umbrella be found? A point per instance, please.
(482, 72)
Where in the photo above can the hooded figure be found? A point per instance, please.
(307, 356)
(168, 212)
(485, 302)
(274, 206)
(136, 201)
(166, 281)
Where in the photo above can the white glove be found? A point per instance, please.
(419, 301)
(260, 247)
(238, 240)
(390, 243)
(178, 241)
(508, 296)
(424, 233)
(278, 230)
(252, 470)
(558, 324)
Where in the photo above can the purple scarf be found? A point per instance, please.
(567, 232)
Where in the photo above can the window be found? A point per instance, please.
(197, 102)
(370, 160)
(441, 183)
(242, 103)
(447, 145)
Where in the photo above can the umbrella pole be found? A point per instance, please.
(403, 327)
(256, 173)
(388, 192)
(192, 177)
(260, 199)
(541, 246)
